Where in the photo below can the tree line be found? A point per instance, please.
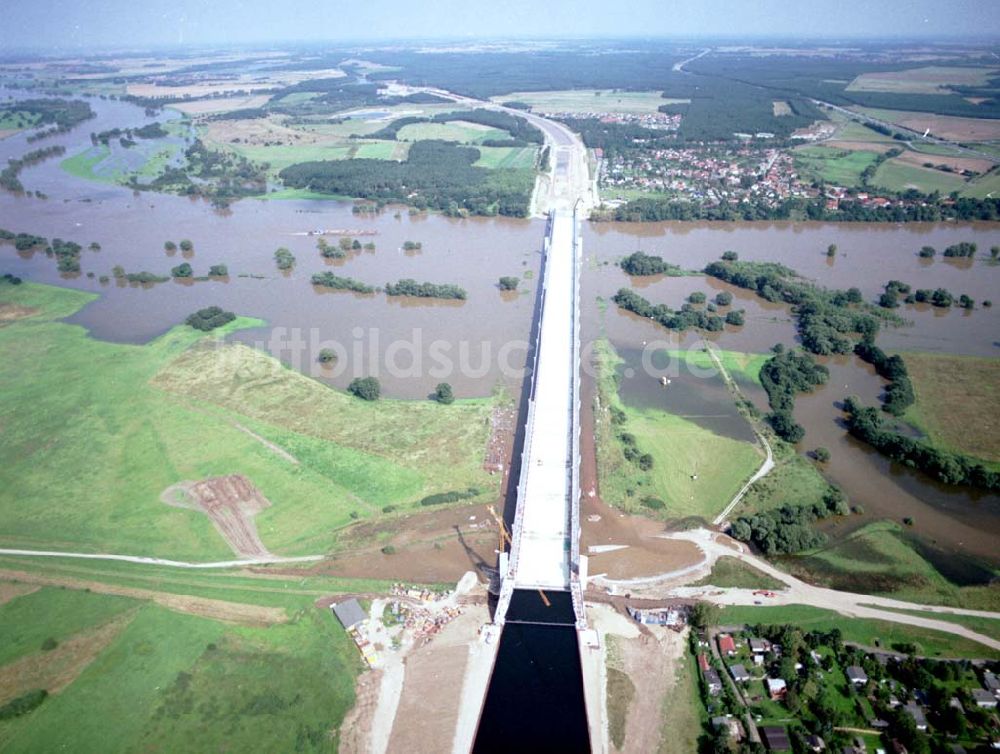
(865, 423)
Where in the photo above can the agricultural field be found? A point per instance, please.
(453, 130)
(507, 157)
(591, 101)
(926, 80)
(214, 105)
(949, 127)
(896, 175)
(139, 419)
(958, 400)
(841, 167)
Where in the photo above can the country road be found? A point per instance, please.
(767, 466)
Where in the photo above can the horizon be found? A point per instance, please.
(56, 25)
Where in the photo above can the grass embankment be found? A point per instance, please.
(679, 448)
(95, 431)
(179, 682)
(958, 401)
(870, 633)
(877, 559)
(734, 573)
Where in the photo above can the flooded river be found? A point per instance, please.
(481, 342)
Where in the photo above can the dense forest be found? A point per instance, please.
(437, 175)
(788, 529)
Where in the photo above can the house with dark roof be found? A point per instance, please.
(776, 738)
(739, 673)
(917, 714)
(856, 675)
(349, 613)
(984, 699)
(713, 681)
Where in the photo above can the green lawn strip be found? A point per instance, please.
(900, 176)
(680, 449)
(231, 585)
(181, 683)
(985, 626)
(734, 573)
(862, 631)
(82, 165)
(52, 613)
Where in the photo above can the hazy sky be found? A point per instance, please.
(72, 24)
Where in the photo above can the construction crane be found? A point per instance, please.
(506, 539)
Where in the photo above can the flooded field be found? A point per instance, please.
(481, 342)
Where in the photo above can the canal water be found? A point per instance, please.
(535, 701)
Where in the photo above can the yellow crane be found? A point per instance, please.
(505, 539)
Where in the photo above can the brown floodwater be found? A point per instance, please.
(476, 344)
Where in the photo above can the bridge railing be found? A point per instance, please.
(507, 579)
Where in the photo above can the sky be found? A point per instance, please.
(82, 24)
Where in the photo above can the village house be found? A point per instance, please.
(777, 688)
(856, 675)
(917, 714)
(760, 646)
(713, 682)
(739, 673)
(984, 699)
(727, 645)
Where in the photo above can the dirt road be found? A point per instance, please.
(797, 592)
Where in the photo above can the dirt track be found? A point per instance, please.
(230, 502)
